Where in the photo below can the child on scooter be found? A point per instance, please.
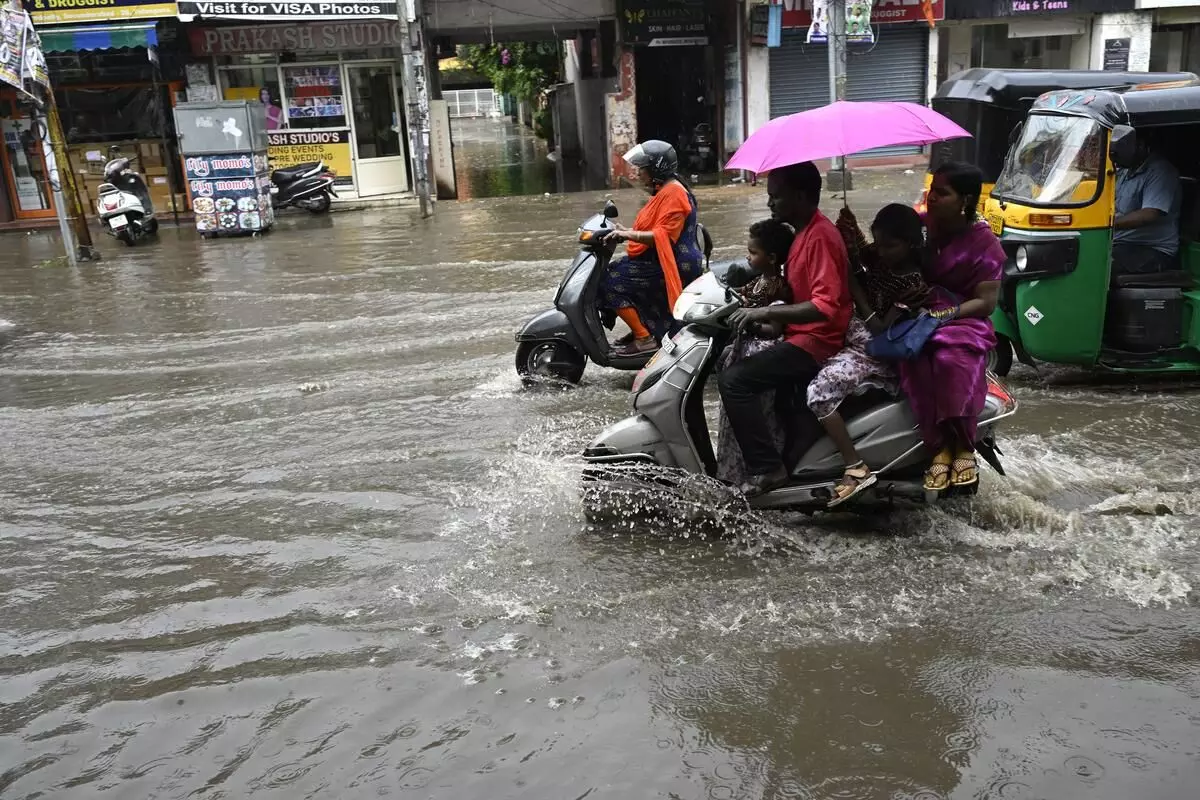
(767, 246)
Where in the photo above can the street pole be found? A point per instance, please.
(42, 129)
(839, 178)
(416, 97)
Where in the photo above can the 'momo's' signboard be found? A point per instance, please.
(247, 9)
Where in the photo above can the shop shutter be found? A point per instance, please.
(799, 75)
(894, 69)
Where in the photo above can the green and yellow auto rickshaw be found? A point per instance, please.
(1053, 207)
(991, 104)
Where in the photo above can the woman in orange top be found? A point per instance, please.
(663, 252)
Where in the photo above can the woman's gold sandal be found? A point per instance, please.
(937, 477)
(965, 470)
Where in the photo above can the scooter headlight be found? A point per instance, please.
(697, 310)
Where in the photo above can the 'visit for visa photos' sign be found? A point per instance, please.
(798, 13)
(229, 9)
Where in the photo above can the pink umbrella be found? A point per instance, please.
(841, 129)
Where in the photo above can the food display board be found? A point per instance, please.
(231, 193)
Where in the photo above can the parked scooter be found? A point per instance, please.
(669, 428)
(123, 202)
(308, 186)
(557, 343)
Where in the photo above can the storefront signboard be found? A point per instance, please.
(997, 9)
(1116, 54)
(664, 23)
(59, 12)
(238, 9)
(289, 148)
(297, 37)
(798, 13)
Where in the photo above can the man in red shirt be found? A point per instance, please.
(814, 326)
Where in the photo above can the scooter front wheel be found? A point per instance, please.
(549, 360)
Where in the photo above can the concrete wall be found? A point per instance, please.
(958, 49)
(566, 122)
(592, 122)
(758, 87)
(621, 114)
(1134, 25)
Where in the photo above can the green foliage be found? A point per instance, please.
(529, 69)
(543, 124)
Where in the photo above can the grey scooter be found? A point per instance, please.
(669, 428)
(557, 343)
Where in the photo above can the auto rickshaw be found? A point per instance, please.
(991, 104)
(1053, 208)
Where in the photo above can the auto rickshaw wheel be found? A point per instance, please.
(1000, 357)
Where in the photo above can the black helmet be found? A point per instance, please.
(656, 156)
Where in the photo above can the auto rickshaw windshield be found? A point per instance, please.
(1057, 161)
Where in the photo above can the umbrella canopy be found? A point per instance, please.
(841, 129)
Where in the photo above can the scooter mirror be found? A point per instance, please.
(610, 210)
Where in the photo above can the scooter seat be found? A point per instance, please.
(1170, 279)
(289, 174)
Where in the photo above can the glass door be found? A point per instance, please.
(25, 170)
(378, 142)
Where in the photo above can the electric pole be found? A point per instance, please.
(416, 96)
(839, 177)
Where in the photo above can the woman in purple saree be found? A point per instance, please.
(946, 384)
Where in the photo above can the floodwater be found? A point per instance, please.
(277, 520)
(498, 158)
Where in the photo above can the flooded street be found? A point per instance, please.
(278, 520)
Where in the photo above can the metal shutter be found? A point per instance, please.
(799, 75)
(894, 69)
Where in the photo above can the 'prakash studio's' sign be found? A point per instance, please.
(241, 9)
(295, 38)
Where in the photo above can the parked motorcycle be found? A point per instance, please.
(123, 202)
(701, 150)
(557, 343)
(308, 186)
(669, 428)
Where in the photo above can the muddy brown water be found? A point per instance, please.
(277, 520)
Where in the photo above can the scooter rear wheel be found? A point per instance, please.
(1000, 357)
(319, 204)
(555, 361)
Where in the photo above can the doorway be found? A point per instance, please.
(378, 130)
(25, 170)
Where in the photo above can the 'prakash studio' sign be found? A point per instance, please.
(241, 9)
(295, 38)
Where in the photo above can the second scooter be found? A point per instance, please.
(308, 186)
(124, 205)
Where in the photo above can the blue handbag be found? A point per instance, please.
(904, 339)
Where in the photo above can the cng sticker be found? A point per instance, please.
(1034, 316)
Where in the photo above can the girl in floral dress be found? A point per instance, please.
(888, 282)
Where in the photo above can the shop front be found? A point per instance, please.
(331, 88)
(1175, 44)
(887, 60)
(1044, 34)
(112, 67)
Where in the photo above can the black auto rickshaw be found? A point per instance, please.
(991, 104)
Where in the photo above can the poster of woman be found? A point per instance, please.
(274, 112)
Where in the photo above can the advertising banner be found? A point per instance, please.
(287, 12)
(22, 63)
(798, 13)
(230, 193)
(60, 12)
(289, 148)
(858, 22)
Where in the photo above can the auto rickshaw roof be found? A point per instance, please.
(1151, 106)
(1014, 88)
